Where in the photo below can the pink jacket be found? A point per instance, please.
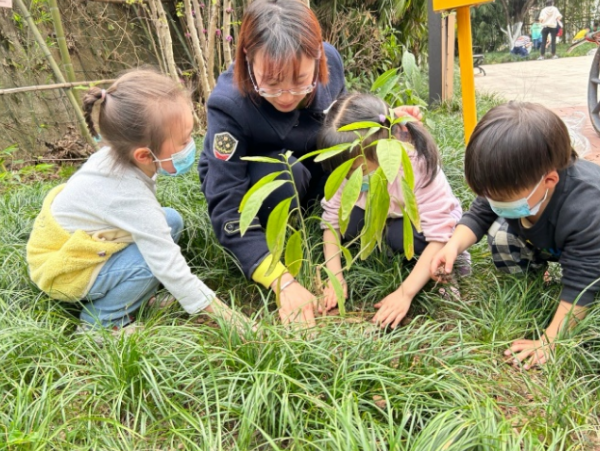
(439, 210)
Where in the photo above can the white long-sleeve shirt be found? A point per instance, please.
(550, 16)
(103, 196)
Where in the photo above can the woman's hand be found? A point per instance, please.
(297, 305)
(537, 351)
(392, 309)
(330, 299)
(409, 110)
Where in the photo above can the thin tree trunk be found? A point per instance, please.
(212, 35)
(159, 18)
(200, 25)
(62, 42)
(227, 37)
(206, 88)
(57, 73)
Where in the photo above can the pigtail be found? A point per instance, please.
(91, 98)
(425, 147)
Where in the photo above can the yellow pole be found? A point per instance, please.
(467, 76)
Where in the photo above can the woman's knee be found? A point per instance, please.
(175, 221)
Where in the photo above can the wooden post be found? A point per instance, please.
(448, 25)
(467, 75)
(465, 49)
(435, 58)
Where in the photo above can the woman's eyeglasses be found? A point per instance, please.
(270, 93)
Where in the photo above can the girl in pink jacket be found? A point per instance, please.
(439, 210)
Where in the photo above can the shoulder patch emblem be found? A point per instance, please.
(224, 145)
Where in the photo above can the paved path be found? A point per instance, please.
(559, 84)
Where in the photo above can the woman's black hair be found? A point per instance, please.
(357, 107)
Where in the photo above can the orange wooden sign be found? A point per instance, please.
(441, 5)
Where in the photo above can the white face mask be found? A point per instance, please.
(517, 208)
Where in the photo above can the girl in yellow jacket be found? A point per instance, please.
(102, 238)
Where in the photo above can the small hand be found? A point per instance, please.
(538, 352)
(408, 110)
(392, 309)
(442, 263)
(330, 299)
(297, 305)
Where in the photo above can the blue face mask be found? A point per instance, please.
(365, 182)
(517, 208)
(182, 160)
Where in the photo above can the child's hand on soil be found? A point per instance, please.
(330, 299)
(392, 309)
(537, 351)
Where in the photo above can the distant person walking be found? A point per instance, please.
(549, 17)
(536, 35)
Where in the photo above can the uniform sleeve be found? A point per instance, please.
(225, 180)
(439, 210)
(479, 218)
(580, 256)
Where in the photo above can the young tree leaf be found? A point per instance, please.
(388, 78)
(409, 249)
(407, 168)
(359, 126)
(294, 255)
(262, 182)
(351, 192)
(339, 291)
(255, 201)
(275, 232)
(262, 160)
(389, 155)
(337, 177)
(376, 212)
(409, 65)
(410, 205)
(331, 151)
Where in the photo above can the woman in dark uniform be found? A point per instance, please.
(271, 100)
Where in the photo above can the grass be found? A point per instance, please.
(561, 51)
(437, 383)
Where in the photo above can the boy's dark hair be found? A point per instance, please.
(513, 147)
(357, 107)
(550, 3)
(135, 111)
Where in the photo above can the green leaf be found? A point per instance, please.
(294, 255)
(407, 118)
(262, 182)
(262, 160)
(389, 155)
(410, 205)
(331, 151)
(339, 291)
(275, 232)
(409, 65)
(376, 212)
(409, 175)
(337, 177)
(255, 201)
(409, 249)
(351, 192)
(384, 79)
(359, 126)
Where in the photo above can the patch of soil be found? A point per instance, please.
(70, 147)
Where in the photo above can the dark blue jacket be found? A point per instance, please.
(243, 126)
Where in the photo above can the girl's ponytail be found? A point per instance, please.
(425, 147)
(90, 99)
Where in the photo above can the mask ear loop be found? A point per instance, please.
(326, 111)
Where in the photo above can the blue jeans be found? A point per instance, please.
(124, 283)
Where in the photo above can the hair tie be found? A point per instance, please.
(102, 95)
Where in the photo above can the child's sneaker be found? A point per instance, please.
(462, 265)
(555, 57)
(541, 58)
